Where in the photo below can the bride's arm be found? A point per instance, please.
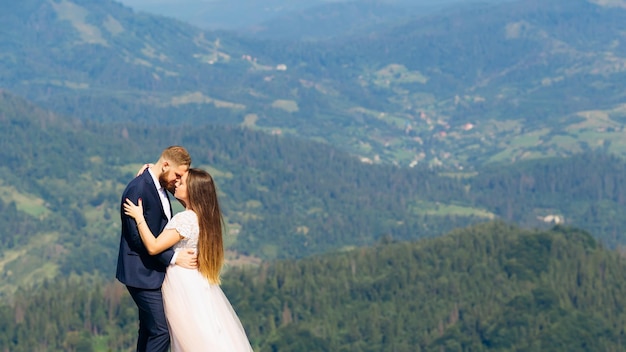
(154, 245)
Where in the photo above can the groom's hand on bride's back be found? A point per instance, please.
(187, 258)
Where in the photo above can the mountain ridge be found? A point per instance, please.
(514, 80)
(242, 15)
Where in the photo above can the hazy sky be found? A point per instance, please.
(156, 2)
(233, 14)
(151, 3)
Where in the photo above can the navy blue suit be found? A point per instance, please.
(142, 273)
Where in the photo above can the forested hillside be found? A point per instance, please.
(456, 89)
(490, 287)
(283, 197)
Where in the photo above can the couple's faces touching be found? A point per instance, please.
(181, 188)
(172, 175)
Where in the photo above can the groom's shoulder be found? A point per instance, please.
(138, 182)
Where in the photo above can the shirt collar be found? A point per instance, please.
(157, 184)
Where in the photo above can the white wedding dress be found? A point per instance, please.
(199, 315)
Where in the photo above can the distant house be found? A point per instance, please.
(552, 219)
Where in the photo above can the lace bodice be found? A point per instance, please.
(186, 223)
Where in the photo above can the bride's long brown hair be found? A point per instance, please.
(202, 196)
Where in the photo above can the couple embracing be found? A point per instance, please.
(170, 263)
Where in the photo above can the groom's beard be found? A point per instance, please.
(163, 182)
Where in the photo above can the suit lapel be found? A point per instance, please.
(155, 193)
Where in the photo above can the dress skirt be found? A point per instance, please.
(199, 315)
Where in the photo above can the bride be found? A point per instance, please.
(199, 315)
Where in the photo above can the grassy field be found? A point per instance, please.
(27, 203)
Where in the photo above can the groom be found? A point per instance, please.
(142, 273)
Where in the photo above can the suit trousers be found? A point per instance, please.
(154, 335)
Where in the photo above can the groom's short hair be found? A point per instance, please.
(177, 155)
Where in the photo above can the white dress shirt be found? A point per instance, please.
(165, 203)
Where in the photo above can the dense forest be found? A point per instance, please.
(488, 287)
(283, 197)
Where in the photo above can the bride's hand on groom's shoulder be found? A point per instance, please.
(143, 168)
(134, 211)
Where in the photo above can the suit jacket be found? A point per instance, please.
(135, 267)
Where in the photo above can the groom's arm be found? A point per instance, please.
(187, 258)
(165, 257)
(184, 258)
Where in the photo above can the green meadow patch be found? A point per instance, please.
(288, 105)
(398, 74)
(29, 265)
(27, 203)
(440, 209)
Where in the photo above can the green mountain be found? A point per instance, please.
(283, 197)
(490, 83)
(491, 287)
(476, 85)
(488, 287)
